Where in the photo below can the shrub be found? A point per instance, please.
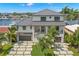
(36, 50)
(0, 48)
(7, 47)
(48, 52)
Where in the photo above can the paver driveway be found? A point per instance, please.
(21, 49)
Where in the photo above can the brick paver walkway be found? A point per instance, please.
(21, 49)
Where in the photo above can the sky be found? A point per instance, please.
(34, 7)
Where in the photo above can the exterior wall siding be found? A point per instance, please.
(20, 28)
(38, 18)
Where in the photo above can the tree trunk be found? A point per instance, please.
(10, 40)
(0, 47)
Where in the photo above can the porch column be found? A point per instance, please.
(62, 40)
(17, 37)
(33, 33)
(46, 29)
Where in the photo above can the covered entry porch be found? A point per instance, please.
(24, 36)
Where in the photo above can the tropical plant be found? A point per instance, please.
(2, 38)
(36, 50)
(76, 36)
(71, 13)
(45, 43)
(69, 39)
(11, 35)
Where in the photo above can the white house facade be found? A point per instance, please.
(30, 29)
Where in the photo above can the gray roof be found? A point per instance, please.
(29, 22)
(47, 12)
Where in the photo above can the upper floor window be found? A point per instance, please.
(43, 18)
(57, 18)
(24, 27)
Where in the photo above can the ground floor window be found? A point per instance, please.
(43, 29)
(57, 27)
(37, 29)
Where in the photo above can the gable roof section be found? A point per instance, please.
(47, 12)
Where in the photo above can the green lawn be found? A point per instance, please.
(74, 50)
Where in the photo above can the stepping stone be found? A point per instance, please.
(16, 46)
(14, 49)
(69, 52)
(55, 52)
(19, 52)
(12, 53)
(22, 46)
(58, 49)
(27, 53)
(21, 49)
(63, 52)
(28, 49)
(29, 46)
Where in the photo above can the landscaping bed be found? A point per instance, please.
(74, 50)
(5, 49)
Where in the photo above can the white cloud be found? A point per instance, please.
(29, 4)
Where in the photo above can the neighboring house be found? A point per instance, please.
(3, 29)
(70, 29)
(37, 26)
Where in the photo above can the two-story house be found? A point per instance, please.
(29, 29)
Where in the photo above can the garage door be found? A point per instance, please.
(25, 38)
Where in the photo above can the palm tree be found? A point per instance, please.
(11, 35)
(71, 13)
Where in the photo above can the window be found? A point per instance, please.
(57, 18)
(42, 29)
(62, 31)
(24, 27)
(30, 27)
(43, 18)
(37, 29)
(50, 17)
